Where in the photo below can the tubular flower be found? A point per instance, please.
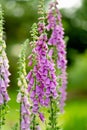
(45, 72)
(22, 97)
(54, 24)
(4, 66)
(42, 78)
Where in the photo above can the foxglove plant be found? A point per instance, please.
(47, 79)
(32, 79)
(4, 73)
(22, 97)
(42, 78)
(57, 49)
(44, 87)
(56, 42)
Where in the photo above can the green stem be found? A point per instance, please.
(4, 113)
(52, 113)
(20, 117)
(34, 122)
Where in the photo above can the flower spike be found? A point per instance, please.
(22, 97)
(4, 73)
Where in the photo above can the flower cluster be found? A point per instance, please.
(56, 40)
(46, 88)
(45, 84)
(42, 78)
(4, 66)
(22, 97)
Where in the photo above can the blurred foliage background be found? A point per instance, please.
(19, 16)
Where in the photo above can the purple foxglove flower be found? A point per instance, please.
(1, 99)
(56, 40)
(25, 114)
(41, 117)
(42, 75)
(43, 69)
(29, 75)
(46, 101)
(4, 66)
(50, 53)
(4, 74)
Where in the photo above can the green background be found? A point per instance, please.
(19, 16)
